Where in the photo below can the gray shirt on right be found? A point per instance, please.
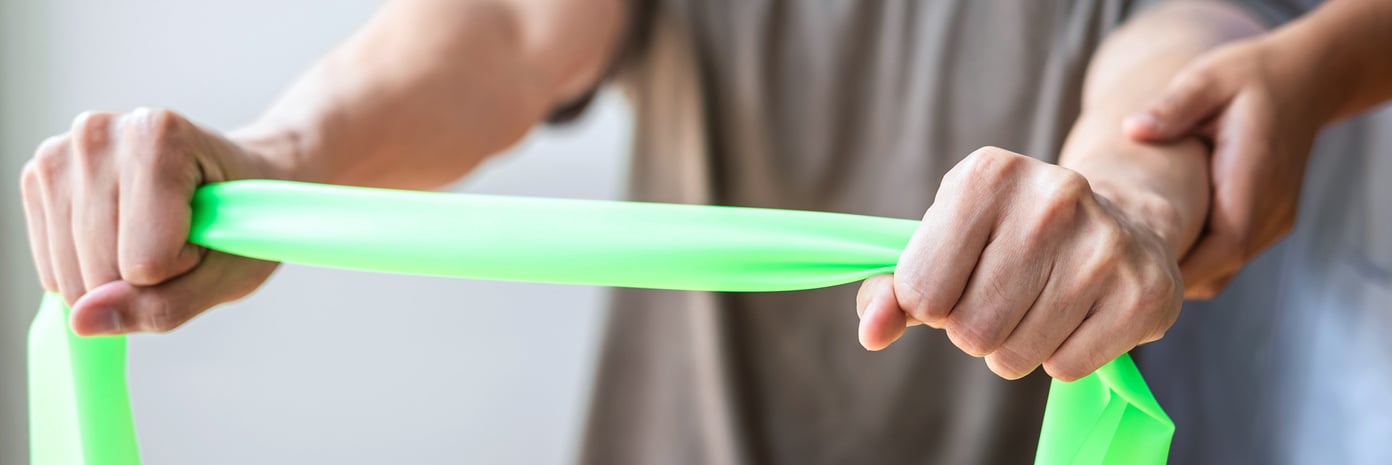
(861, 106)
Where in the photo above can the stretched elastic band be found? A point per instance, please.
(80, 409)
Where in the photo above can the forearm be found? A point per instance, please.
(1340, 56)
(428, 89)
(1163, 187)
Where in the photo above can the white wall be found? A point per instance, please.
(320, 366)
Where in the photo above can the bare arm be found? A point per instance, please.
(429, 88)
(1344, 46)
(1166, 187)
(415, 99)
(1261, 102)
(1029, 264)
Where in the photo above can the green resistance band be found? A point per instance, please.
(80, 408)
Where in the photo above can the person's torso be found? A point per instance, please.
(846, 106)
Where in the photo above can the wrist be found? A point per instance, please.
(279, 153)
(1152, 211)
(1315, 73)
(1163, 188)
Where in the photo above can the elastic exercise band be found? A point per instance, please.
(80, 408)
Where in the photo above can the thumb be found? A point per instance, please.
(1193, 96)
(119, 307)
(881, 319)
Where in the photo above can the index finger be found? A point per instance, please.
(158, 177)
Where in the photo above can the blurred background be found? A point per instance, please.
(319, 366)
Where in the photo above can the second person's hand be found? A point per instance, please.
(1261, 114)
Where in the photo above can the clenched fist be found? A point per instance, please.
(108, 214)
(1023, 264)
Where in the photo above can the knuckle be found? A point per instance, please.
(145, 271)
(989, 164)
(158, 316)
(160, 121)
(29, 179)
(160, 132)
(1156, 292)
(1112, 241)
(1067, 368)
(922, 305)
(91, 131)
(50, 159)
(88, 120)
(1109, 253)
(1155, 336)
(1060, 203)
(1010, 363)
(974, 339)
(51, 146)
(1069, 185)
(952, 181)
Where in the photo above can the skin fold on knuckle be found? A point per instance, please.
(29, 186)
(1069, 367)
(1011, 363)
(1057, 207)
(147, 270)
(914, 296)
(50, 162)
(1157, 291)
(989, 166)
(1101, 266)
(1140, 317)
(160, 136)
(154, 315)
(91, 135)
(975, 339)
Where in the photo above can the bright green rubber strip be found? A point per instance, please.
(80, 408)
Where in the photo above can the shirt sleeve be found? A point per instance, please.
(637, 30)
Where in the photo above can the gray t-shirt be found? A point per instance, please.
(849, 106)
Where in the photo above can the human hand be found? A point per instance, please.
(1261, 116)
(1023, 264)
(107, 205)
